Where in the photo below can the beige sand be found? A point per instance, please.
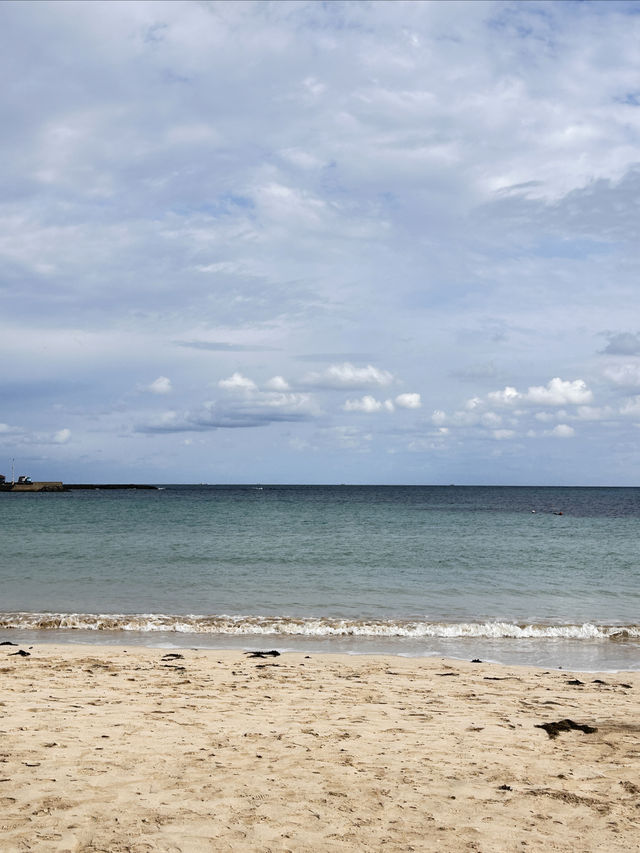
(113, 750)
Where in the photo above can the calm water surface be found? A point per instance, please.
(547, 576)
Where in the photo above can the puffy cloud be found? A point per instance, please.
(563, 431)
(285, 402)
(368, 404)
(505, 397)
(237, 382)
(161, 385)
(557, 392)
(277, 383)
(569, 396)
(624, 375)
(348, 376)
(63, 436)
(245, 406)
(173, 225)
(408, 401)
(560, 392)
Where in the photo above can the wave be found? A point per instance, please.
(312, 627)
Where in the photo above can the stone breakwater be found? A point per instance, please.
(58, 486)
(72, 486)
(52, 486)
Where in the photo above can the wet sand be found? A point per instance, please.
(106, 749)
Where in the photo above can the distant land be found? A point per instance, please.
(59, 486)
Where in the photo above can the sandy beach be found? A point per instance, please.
(114, 749)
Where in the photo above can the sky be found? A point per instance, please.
(309, 242)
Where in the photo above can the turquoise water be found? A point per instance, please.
(548, 576)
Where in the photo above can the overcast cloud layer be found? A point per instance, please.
(308, 242)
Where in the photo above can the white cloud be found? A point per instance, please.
(167, 421)
(283, 204)
(63, 436)
(301, 159)
(228, 267)
(563, 431)
(570, 396)
(560, 392)
(458, 419)
(408, 401)
(161, 385)
(505, 397)
(237, 382)
(174, 225)
(502, 434)
(368, 404)
(557, 392)
(277, 383)
(348, 376)
(290, 402)
(631, 406)
(625, 375)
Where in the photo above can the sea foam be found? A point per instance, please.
(313, 627)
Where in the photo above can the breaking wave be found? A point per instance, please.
(312, 627)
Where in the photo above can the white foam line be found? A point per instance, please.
(312, 627)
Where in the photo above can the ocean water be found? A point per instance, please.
(542, 576)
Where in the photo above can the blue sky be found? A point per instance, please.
(320, 242)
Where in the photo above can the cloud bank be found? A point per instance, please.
(394, 242)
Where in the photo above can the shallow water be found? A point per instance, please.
(495, 573)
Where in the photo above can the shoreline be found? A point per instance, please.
(562, 654)
(143, 749)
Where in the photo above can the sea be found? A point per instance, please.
(539, 576)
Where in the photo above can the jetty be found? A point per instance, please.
(42, 486)
(73, 486)
(26, 484)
